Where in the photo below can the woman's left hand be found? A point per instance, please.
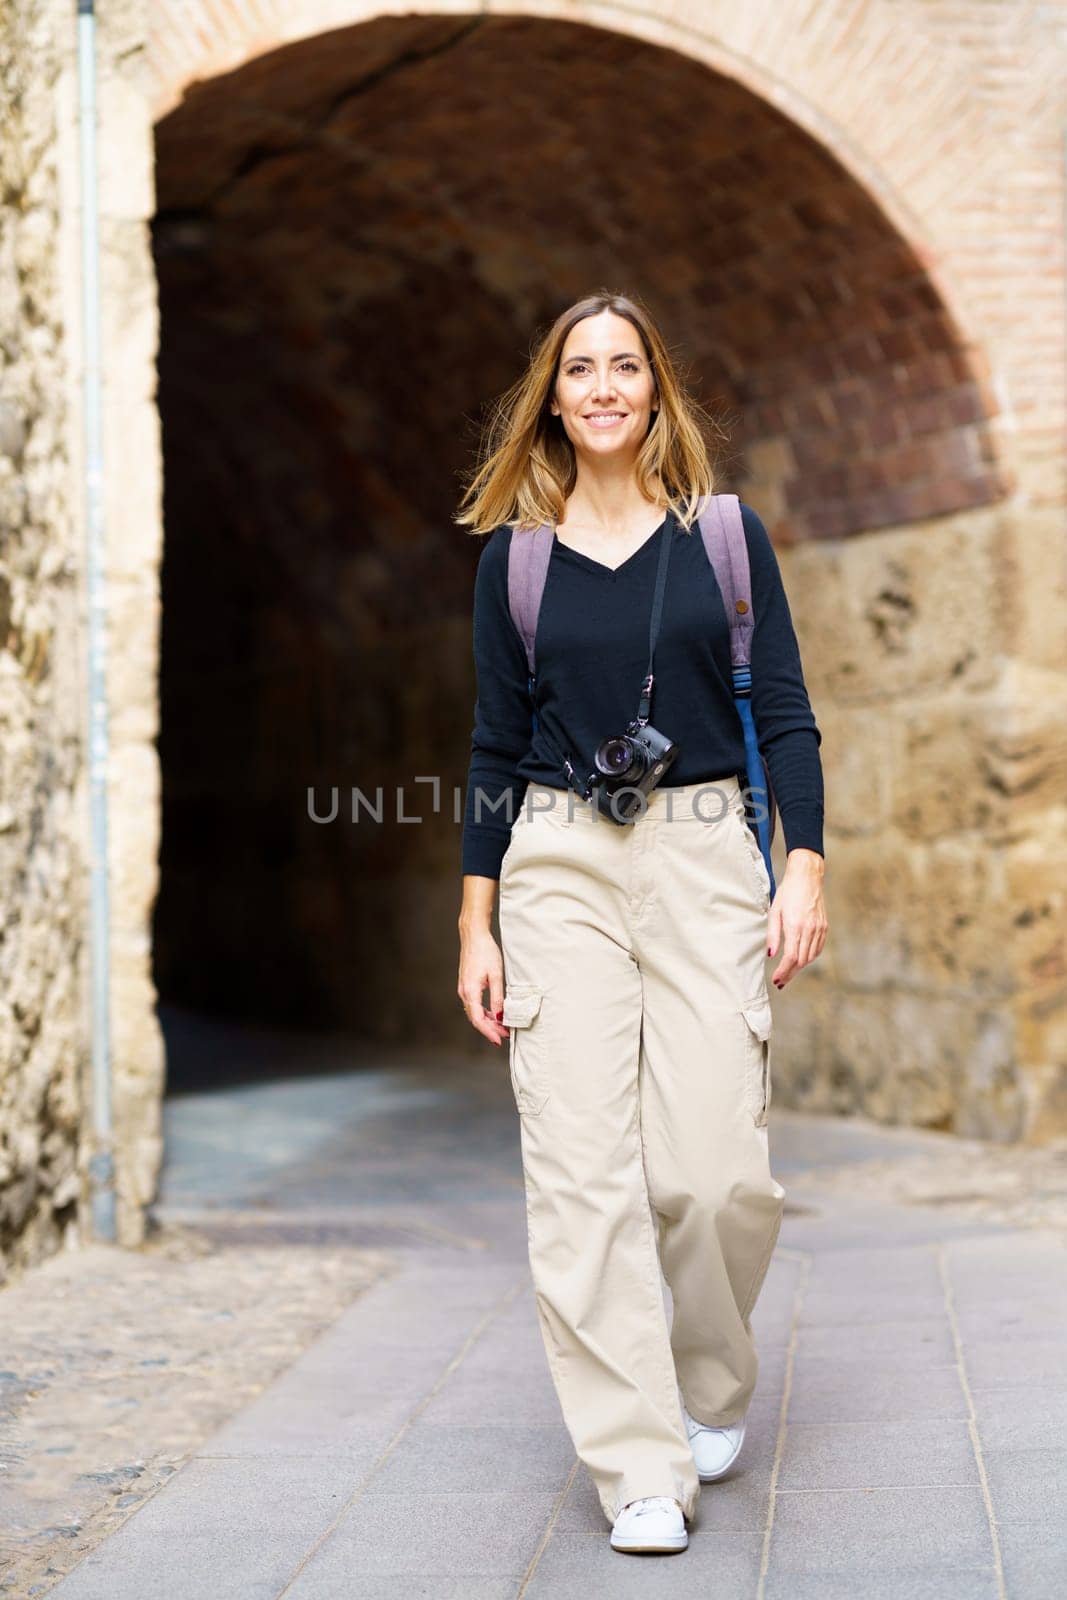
(798, 915)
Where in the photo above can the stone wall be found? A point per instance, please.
(42, 903)
(938, 998)
(45, 1087)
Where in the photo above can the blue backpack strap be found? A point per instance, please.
(723, 532)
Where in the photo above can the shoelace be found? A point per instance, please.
(653, 1503)
(693, 1427)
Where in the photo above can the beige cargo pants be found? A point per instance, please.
(640, 1024)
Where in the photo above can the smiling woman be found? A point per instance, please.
(631, 984)
(623, 361)
(587, 367)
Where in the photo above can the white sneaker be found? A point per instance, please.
(653, 1525)
(714, 1449)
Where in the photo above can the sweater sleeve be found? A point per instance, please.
(503, 717)
(789, 738)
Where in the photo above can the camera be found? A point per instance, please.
(634, 761)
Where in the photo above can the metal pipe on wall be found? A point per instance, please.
(102, 1160)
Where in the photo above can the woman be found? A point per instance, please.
(631, 984)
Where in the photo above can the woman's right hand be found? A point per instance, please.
(481, 967)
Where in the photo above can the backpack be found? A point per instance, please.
(723, 533)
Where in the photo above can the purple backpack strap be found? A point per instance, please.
(723, 533)
(528, 557)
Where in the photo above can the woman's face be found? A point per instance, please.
(605, 393)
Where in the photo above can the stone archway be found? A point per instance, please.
(931, 623)
(355, 234)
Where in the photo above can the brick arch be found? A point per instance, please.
(892, 100)
(810, 313)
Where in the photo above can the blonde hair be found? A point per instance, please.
(526, 467)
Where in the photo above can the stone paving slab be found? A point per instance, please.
(173, 1565)
(1033, 1418)
(904, 1439)
(447, 1534)
(929, 1528)
(490, 1458)
(879, 1455)
(1033, 1559)
(916, 1583)
(579, 1567)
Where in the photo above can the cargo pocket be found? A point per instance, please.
(759, 1025)
(506, 858)
(755, 858)
(522, 1004)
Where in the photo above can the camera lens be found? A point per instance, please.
(620, 757)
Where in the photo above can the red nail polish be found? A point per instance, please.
(500, 1016)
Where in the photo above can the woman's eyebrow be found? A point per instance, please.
(617, 357)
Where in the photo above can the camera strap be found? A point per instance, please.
(644, 710)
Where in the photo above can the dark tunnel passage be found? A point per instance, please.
(357, 237)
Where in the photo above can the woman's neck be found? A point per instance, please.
(610, 509)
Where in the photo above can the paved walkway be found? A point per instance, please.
(906, 1437)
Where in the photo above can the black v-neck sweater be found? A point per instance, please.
(591, 658)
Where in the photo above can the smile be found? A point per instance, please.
(605, 419)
